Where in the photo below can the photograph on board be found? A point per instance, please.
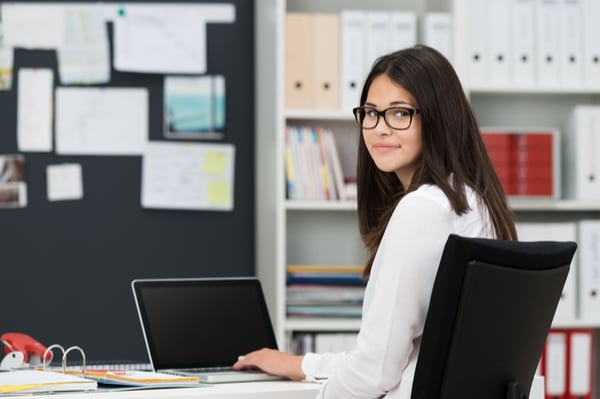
(194, 107)
(13, 188)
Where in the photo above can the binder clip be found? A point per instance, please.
(22, 351)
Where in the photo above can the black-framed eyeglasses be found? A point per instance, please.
(397, 118)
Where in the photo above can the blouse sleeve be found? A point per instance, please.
(407, 260)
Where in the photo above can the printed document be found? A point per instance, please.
(101, 121)
(84, 58)
(64, 182)
(6, 64)
(190, 176)
(34, 109)
(165, 38)
(34, 25)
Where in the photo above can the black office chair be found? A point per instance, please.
(491, 307)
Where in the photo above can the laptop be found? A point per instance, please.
(199, 327)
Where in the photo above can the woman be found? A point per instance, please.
(423, 173)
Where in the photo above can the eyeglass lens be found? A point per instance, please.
(396, 117)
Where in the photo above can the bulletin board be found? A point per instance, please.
(66, 266)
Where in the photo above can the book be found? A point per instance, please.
(305, 294)
(325, 278)
(324, 290)
(38, 381)
(325, 268)
(332, 159)
(312, 164)
(354, 311)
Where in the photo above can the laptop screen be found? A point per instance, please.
(190, 323)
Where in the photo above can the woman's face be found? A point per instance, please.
(393, 150)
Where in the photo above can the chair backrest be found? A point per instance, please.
(491, 308)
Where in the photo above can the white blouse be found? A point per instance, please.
(382, 363)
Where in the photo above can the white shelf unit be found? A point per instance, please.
(516, 204)
(320, 205)
(300, 231)
(322, 324)
(520, 106)
(326, 232)
(317, 115)
(577, 323)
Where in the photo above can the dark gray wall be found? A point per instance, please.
(66, 267)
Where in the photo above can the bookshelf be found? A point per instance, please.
(531, 106)
(302, 232)
(324, 231)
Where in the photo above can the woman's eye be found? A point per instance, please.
(371, 113)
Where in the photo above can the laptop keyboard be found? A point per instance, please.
(207, 369)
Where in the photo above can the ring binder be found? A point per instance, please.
(49, 350)
(65, 353)
(122, 376)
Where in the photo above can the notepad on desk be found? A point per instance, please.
(37, 381)
(137, 378)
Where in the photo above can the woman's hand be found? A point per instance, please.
(273, 362)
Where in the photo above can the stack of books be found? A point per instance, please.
(526, 161)
(324, 291)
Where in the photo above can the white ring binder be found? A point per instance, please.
(65, 353)
(64, 359)
(49, 350)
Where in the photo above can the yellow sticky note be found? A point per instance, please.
(219, 193)
(215, 162)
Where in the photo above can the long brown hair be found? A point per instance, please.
(452, 145)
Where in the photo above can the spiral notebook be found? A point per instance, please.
(199, 327)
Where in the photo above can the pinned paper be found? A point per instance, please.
(165, 38)
(33, 25)
(190, 176)
(6, 68)
(101, 121)
(64, 182)
(149, 43)
(34, 109)
(6, 64)
(84, 58)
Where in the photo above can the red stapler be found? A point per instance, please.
(32, 350)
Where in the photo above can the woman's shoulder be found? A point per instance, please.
(430, 197)
(429, 205)
(428, 190)
(429, 193)
(434, 193)
(426, 202)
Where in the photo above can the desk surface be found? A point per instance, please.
(245, 390)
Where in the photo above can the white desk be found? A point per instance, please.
(245, 390)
